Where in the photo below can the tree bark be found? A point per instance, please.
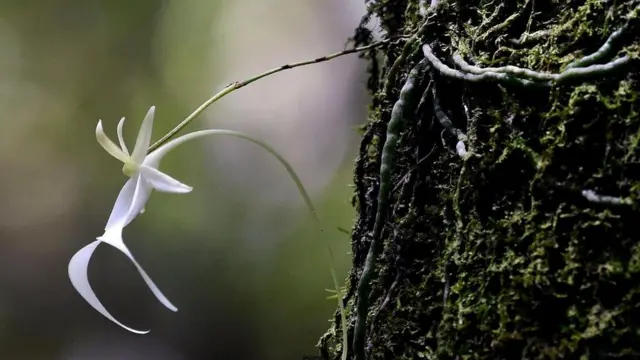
(503, 202)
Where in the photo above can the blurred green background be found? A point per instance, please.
(239, 256)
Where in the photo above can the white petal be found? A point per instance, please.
(163, 182)
(114, 238)
(78, 267)
(121, 208)
(144, 137)
(109, 145)
(121, 138)
(130, 202)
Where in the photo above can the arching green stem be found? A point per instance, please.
(241, 135)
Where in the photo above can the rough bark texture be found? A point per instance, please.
(510, 252)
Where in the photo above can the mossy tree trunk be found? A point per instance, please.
(511, 225)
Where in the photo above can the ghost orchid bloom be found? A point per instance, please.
(144, 177)
(142, 169)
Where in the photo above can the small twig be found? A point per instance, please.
(531, 15)
(403, 180)
(239, 84)
(423, 100)
(512, 18)
(526, 38)
(386, 300)
(489, 19)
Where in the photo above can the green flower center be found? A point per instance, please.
(129, 168)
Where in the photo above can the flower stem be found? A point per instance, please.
(239, 84)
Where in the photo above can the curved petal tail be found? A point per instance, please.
(78, 267)
(115, 239)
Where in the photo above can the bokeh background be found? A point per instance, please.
(240, 255)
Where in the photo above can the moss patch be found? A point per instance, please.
(500, 256)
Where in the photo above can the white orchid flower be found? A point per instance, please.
(144, 177)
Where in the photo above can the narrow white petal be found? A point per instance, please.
(114, 238)
(130, 202)
(123, 203)
(123, 146)
(78, 267)
(109, 145)
(144, 137)
(163, 182)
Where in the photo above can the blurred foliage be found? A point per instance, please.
(244, 288)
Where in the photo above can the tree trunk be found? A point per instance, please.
(498, 208)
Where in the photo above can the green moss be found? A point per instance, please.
(500, 256)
